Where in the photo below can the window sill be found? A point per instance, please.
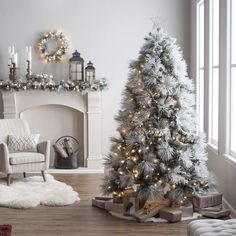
(231, 160)
(212, 148)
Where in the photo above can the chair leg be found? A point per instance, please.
(43, 174)
(24, 174)
(8, 179)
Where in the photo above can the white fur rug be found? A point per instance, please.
(32, 191)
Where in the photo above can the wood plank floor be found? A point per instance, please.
(81, 219)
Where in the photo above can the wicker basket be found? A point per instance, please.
(72, 161)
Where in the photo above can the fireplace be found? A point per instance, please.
(55, 114)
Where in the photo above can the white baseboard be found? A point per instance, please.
(80, 170)
(232, 210)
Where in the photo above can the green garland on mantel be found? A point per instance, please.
(46, 84)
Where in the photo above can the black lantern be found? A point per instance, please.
(76, 67)
(90, 72)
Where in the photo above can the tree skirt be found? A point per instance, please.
(154, 219)
(32, 191)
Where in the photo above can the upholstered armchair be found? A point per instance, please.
(24, 161)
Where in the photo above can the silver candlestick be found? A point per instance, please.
(12, 74)
(28, 70)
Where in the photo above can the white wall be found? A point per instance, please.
(107, 32)
(224, 168)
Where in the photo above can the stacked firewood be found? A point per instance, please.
(64, 149)
(209, 205)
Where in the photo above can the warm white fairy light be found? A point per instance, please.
(155, 146)
(61, 50)
(136, 173)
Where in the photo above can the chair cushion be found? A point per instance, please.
(18, 158)
(26, 143)
(212, 227)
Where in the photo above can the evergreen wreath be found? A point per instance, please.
(59, 53)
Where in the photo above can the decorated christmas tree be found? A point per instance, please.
(158, 152)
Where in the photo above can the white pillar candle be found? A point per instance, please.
(29, 58)
(9, 55)
(12, 49)
(26, 53)
(15, 59)
(9, 52)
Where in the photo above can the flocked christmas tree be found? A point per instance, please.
(158, 152)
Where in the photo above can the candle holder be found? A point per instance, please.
(12, 75)
(28, 70)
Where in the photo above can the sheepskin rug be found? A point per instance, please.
(32, 191)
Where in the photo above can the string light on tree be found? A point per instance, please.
(157, 125)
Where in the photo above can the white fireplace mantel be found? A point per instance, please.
(15, 104)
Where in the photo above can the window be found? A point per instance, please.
(233, 81)
(216, 70)
(214, 74)
(200, 64)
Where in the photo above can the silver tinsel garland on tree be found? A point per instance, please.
(158, 152)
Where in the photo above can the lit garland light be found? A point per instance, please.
(61, 50)
(46, 83)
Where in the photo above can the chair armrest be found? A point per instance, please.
(4, 158)
(44, 148)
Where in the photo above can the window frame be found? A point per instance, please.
(200, 68)
(232, 65)
(211, 67)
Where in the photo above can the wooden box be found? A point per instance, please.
(187, 209)
(150, 209)
(170, 214)
(131, 205)
(100, 202)
(114, 207)
(207, 200)
(208, 209)
(216, 214)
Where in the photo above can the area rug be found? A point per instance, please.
(33, 191)
(5, 230)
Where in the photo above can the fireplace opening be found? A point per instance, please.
(52, 121)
